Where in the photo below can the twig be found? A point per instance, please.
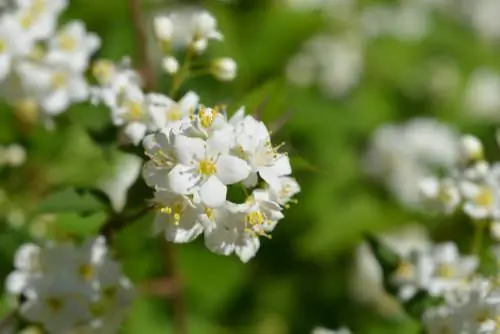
(116, 222)
(177, 296)
(146, 67)
(148, 72)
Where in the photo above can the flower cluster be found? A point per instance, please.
(192, 165)
(120, 87)
(191, 31)
(68, 288)
(402, 155)
(473, 186)
(42, 65)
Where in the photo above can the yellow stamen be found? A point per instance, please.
(54, 304)
(174, 114)
(86, 272)
(134, 111)
(103, 70)
(67, 42)
(484, 198)
(3, 46)
(207, 167)
(59, 80)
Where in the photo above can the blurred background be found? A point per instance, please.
(369, 96)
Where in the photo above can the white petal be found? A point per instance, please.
(4, 65)
(247, 249)
(154, 176)
(182, 180)
(187, 149)
(16, 282)
(135, 132)
(213, 192)
(56, 103)
(231, 169)
(189, 102)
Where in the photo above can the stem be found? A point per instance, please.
(177, 296)
(115, 222)
(182, 74)
(478, 237)
(179, 312)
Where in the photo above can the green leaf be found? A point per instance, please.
(422, 301)
(72, 200)
(386, 257)
(76, 225)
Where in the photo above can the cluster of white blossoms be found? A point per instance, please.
(66, 288)
(473, 186)
(191, 31)
(42, 65)
(401, 155)
(191, 167)
(120, 87)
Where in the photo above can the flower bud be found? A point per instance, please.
(170, 65)
(224, 69)
(15, 155)
(471, 148)
(199, 46)
(163, 28)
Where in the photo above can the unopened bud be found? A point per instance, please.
(170, 65)
(224, 69)
(163, 28)
(471, 148)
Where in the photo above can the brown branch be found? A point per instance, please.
(116, 222)
(177, 296)
(146, 68)
(150, 82)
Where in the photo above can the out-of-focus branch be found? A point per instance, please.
(8, 322)
(150, 82)
(146, 68)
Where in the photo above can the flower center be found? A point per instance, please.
(175, 210)
(482, 315)
(445, 271)
(484, 198)
(209, 213)
(174, 114)
(207, 116)
(134, 111)
(67, 42)
(59, 80)
(103, 70)
(86, 272)
(207, 167)
(404, 269)
(3, 46)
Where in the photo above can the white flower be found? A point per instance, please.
(168, 113)
(205, 168)
(443, 193)
(159, 147)
(471, 148)
(73, 46)
(38, 18)
(224, 69)
(55, 87)
(289, 187)
(483, 196)
(225, 232)
(204, 27)
(53, 301)
(441, 320)
(254, 145)
(170, 65)
(163, 28)
(13, 43)
(26, 263)
(177, 217)
(482, 97)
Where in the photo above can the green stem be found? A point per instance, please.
(182, 74)
(478, 237)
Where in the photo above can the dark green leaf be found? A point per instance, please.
(71, 200)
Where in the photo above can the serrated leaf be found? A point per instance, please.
(71, 200)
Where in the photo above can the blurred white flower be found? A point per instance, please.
(482, 98)
(403, 154)
(66, 286)
(163, 28)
